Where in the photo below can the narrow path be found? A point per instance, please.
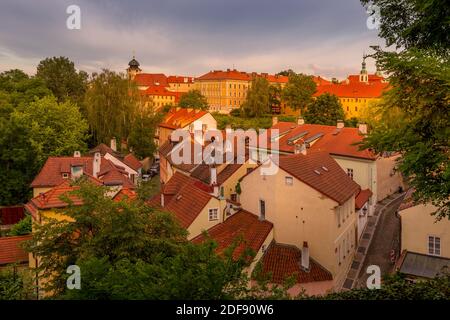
(381, 235)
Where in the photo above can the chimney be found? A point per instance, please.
(76, 154)
(300, 121)
(162, 199)
(362, 127)
(340, 124)
(300, 148)
(114, 144)
(274, 120)
(213, 176)
(96, 164)
(305, 256)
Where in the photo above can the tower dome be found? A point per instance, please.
(134, 63)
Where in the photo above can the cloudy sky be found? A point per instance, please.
(190, 37)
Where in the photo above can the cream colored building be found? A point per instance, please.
(301, 202)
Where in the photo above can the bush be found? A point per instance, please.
(22, 227)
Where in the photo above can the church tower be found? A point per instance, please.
(363, 75)
(133, 68)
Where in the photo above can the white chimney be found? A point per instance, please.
(340, 124)
(300, 148)
(114, 144)
(76, 154)
(96, 164)
(305, 256)
(362, 127)
(213, 176)
(300, 121)
(274, 120)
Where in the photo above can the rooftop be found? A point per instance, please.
(11, 250)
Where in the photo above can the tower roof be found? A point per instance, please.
(133, 63)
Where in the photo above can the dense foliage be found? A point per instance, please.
(297, 93)
(193, 99)
(414, 116)
(326, 109)
(22, 227)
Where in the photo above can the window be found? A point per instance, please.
(356, 108)
(222, 192)
(234, 197)
(213, 214)
(262, 210)
(350, 172)
(65, 175)
(289, 181)
(434, 245)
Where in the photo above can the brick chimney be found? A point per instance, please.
(340, 124)
(300, 121)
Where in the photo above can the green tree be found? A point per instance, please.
(286, 73)
(22, 227)
(142, 134)
(193, 99)
(298, 91)
(415, 114)
(127, 250)
(257, 102)
(61, 77)
(275, 96)
(29, 134)
(111, 103)
(325, 109)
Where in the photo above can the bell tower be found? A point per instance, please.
(363, 76)
(133, 68)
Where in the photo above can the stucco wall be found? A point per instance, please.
(389, 180)
(300, 213)
(418, 224)
(202, 222)
(38, 191)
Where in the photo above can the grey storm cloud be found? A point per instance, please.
(324, 37)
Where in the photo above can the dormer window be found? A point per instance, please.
(65, 176)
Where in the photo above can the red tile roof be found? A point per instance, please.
(362, 197)
(181, 117)
(51, 173)
(321, 172)
(183, 196)
(180, 79)
(11, 250)
(340, 142)
(243, 226)
(354, 78)
(131, 161)
(150, 79)
(158, 91)
(353, 90)
(240, 75)
(125, 193)
(283, 261)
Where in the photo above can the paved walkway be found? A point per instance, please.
(381, 234)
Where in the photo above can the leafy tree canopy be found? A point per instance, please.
(326, 110)
(298, 91)
(193, 99)
(414, 116)
(61, 77)
(257, 101)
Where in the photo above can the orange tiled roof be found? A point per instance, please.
(181, 117)
(334, 141)
(51, 173)
(180, 79)
(151, 79)
(353, 89)
(11, 250)
(321, 172)
(241, 224)
(362, 197)
(154, 90)
(354, 78)
(240, 75)
(131, 161)
(183, 196)
(125, 193)
(283, 261)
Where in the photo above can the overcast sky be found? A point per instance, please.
(190, 37)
